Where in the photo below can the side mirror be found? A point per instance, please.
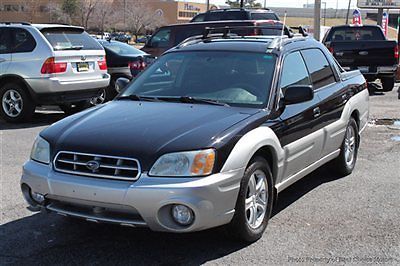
(121, 83)
(298, 94)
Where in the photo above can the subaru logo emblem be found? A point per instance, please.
(83, 58)
(93, 165)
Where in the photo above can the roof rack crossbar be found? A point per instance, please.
(228, 29)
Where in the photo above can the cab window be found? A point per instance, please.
(320, 70)
(294, 71)
(161, 39)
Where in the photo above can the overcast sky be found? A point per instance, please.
(294, 3)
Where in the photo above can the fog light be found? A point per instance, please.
(182, 215)
(39, 198)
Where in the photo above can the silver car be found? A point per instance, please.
(48, 64)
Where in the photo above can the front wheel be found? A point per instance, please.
(254, 203)
(388, 84)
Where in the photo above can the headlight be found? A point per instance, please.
(41, 151)
(191, 163)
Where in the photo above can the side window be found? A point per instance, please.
(320, 70)
(186, 32)
(161, 39)
(294, 71)
(23, 41)
(4, 42)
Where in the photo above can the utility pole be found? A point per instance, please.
(208, 4)
(265, 3)
(241, 3)
(379, 17)
(348, 12)
(317, 19)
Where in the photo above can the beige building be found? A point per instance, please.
(40, 11)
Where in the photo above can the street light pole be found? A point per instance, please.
(208, 4)
(317, 19)
(348, 12)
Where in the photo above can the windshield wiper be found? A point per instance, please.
(189, 99)
(135, 97)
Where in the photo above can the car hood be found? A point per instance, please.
(143, 130)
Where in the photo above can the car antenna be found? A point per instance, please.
(283, 29)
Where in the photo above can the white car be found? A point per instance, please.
(48, 64)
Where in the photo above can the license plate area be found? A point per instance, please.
(82, 66)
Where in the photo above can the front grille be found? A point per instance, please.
(94, 165)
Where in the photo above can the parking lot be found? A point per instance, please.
(321, 219)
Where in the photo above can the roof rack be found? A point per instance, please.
(227, 30)
(15, 22)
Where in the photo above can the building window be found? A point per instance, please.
(11, 8)
(186, 14)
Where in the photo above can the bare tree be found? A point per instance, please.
(140, 17)
(105, 15)
(87, 9)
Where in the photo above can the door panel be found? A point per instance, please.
(297, 130)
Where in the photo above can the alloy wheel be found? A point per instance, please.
(350, 146)
(99, 99)
(12, 103)
(256, 199)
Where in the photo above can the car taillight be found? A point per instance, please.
(137, 65)
(102, 64)
(51, 67)
(396, 52)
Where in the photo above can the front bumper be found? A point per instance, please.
(145, 202)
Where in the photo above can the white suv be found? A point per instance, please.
(48, 64)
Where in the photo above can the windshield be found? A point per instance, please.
(70, 39)
(121, 48)
(237, 79)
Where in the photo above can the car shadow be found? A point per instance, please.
(39, 118)
(52, 239)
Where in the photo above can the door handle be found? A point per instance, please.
(2, 60)
(317, 112)
(363, 53)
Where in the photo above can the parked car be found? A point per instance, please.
(143, 39)
(236, 14)
(123, 60)
(169, 36)
(121, 37)
(206, 136)
(367, 49)
(48, 64)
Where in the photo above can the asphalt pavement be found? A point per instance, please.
(322, 219)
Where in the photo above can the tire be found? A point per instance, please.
(387, 84)
(345, 162)
(243, 227)
(111, 90)
(72, 108)
(100, 99)
(16, 104)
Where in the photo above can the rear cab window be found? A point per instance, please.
(70, 39)
(161, 39)
(320, 70)
(364, 33)
(263, 16)
(226, 15)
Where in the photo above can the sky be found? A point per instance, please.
(294, 3)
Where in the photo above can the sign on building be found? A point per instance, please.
(378, 4)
